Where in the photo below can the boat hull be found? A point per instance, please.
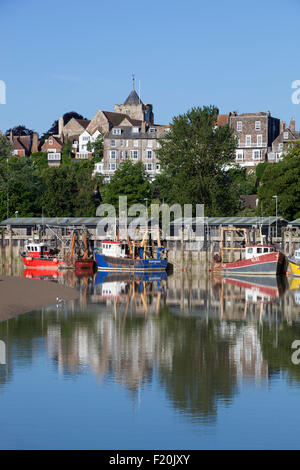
(109, 263)
(32, 262)
(268, 264)
(294, 267)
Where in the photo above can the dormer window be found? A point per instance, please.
(50, 142)
(117, 131)
(152, 130)
(285, 135)
(135, 130)
(239, 126)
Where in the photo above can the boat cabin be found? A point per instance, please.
(297, 255)
(37, 249)
(115, 249)
(259, 250)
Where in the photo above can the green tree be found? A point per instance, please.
(129, 180)
(96, 148)
(194, 158)
(6, 148)
(39, 160)
(281, 179)
(67, 153)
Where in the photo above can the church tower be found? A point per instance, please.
(134, 107)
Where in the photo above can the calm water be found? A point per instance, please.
(158, 363)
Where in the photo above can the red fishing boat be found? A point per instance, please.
(39, 255)
(259, 260)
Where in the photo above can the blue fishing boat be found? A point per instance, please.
(125, 256)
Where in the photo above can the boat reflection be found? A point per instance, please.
(134, 292)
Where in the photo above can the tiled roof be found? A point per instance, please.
(133, 99)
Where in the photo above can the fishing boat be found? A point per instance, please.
(125, 256)
(258, 289)
(39, 255)
(259, 259)
(294, 263)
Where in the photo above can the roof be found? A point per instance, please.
(249, 200)
(133, 99)
(66, 221)
(116, 118)
(222, 120)
(238, 221)
(83, 122)
(17, 144)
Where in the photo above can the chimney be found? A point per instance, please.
(143, 129)
(282, 126)
(60, 126)
(11, 135)
(292, 125)
(34, 145)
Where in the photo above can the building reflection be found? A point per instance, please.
(200, 339)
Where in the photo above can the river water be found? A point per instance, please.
(155, 362)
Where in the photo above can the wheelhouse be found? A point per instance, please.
(259, 250)
(115, 249)
(37, 249)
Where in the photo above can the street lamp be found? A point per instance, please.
(276, 199)
(16, 213)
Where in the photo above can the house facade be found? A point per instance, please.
(287, 136)
(255, 133)
(53, 147)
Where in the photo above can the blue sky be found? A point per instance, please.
(59, 56)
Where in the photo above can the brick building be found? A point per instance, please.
(255, 132)
(287, 136)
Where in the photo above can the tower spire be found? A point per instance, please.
(133, 81)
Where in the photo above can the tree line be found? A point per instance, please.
(197, 161)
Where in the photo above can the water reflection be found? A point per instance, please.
(200, 339)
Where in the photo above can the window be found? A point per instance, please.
(248, 140)
(259, 140)
(271, 156)
(250, 250)
(112, 166)
(149, 166)
(135, 143)
(121, 154)
(280, 146)
(112, 143)
(85, 139)
(256, 154)
(50, 142)
(239, 126)
(158, 166)
(112, 154)
(134, 154)
(266, 250)
(135, 130)
(285, 135)
(152, 130)
(149, 143)
(116, 131)
(259, 250)
(148, 153)
(121, 143)
(239, 156)
(257, 125)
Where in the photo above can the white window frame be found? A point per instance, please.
(134, 154)
(113, 154)
(239, 126)
(117, 131)
(112, 143)
(257, 125)
(149, 153)
(285, 135)
(259, 140)
(239, 155)
(248, 140)
(254, 153)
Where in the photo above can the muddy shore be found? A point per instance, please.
(20, 295)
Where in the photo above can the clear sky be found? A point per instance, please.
(62, 55)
